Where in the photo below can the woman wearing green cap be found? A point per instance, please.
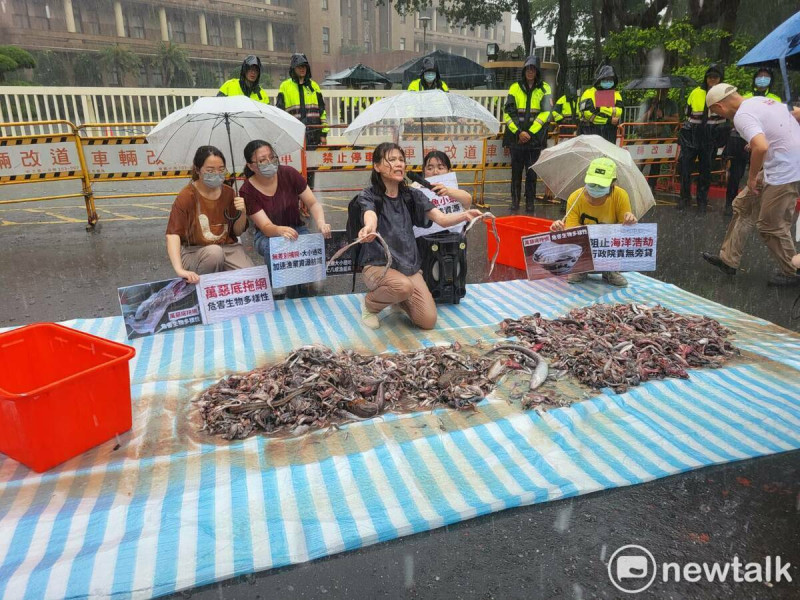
(600, 201)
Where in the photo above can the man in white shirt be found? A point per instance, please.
(773, 183)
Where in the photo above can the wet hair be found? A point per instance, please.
(203, 152)
(378, 155)
(441, 156)
(249, 152)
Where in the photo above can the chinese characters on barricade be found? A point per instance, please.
(591, 248)
(298, 261)
(444, 203)
(27, 159)
(126, 158)
(645, 152)
(233, 294)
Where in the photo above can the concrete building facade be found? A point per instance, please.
(217, 34)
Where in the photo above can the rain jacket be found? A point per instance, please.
(242, 87)
(304, 101)
(589, 111)
(701, 127)
(767, 93)
(566, 107)
(428, 64)
(528, 109)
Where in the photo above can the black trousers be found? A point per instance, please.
(739, 158)
(522, 158)
(607, 131)
(695, 146)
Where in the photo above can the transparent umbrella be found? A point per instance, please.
(446, 111)
(563, 168)
(228, 123)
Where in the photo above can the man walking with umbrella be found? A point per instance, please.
(527, 112)
(767, 202)
(301, 97)
(247, 84)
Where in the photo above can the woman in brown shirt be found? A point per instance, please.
(205, 221)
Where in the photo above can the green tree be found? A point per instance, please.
(205, 77)
(51, 68)
(118, 59)
(173, 62)
(12, 59)
(86, 71)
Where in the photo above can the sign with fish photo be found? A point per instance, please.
(237, 293)
(446, 204)
(297, 261)
(557, 253)
(149, 308)
(624, 247)
(344, 264)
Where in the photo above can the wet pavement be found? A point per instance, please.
(53, 269)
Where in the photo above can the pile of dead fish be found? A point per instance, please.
(622, 345)
(314, 387)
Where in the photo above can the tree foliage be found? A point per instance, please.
(173, 63)
(13, 58)
(51, 68)
(118, 59)
(86, 70)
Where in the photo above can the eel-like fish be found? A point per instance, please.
(151, 311)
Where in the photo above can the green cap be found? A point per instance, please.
(602, 171)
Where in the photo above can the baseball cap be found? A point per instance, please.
(719, 92)
(601, 171)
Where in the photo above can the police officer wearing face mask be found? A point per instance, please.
(600, 106)
(429, 78)
(736, 149)
(248, 82)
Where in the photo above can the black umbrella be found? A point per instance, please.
(664, 82)
(356, 76)
(456, 71)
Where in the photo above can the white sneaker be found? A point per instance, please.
(370, 319)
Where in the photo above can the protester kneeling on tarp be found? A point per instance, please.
(206, 221)
(272, 194)
(438, 163)
(600, 201)
(391, 208)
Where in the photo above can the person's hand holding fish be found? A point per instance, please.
(367, 233)
(189, 276)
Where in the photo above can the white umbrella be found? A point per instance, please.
(435, 105)
(227, 122)
(563, 168)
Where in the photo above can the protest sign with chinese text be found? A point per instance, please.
(343, 264)
(231, 294)
(624, 247)
(557, 253)
(298, 261)
(149, 308)
(444, 203)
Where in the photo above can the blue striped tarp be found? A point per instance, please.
(173, 509)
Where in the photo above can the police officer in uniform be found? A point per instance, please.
(735, 149)
(247, 84)
(429, 78)
(527, 113)
(301, 97)
(601, 120)
(565, 110)
(699, 137)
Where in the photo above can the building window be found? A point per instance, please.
(326, 40)
(324, 4)
(365, 6)
(134, 23)
(214, 31)
(402, 43)
(248, 42)
(403, 19)
(503, 35)
(177, 29)
(31, 14)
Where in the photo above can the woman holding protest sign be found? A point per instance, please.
(392, 209)
(272, 194)
(206, 221)
(438, 163)
(600, 201)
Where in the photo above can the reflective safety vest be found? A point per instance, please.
(308, 107)
(416, 86)
(767, 95)
(599, 115)
(528, 110)
(697, 112)
(233, 87)
(564, 108)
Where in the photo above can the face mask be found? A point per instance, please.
(763, 82)
(268, 170)
(607, 84)
(597, 191)
(430, 77)
(213, 180)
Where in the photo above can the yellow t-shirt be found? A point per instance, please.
(610, 212)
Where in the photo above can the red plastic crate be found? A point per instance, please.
(62, 392)
(511, 230)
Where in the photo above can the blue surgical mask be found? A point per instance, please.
(607, 84)
(430, 77)
(268, 170)
(597, 191)
(763, 82)
(213, 180)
